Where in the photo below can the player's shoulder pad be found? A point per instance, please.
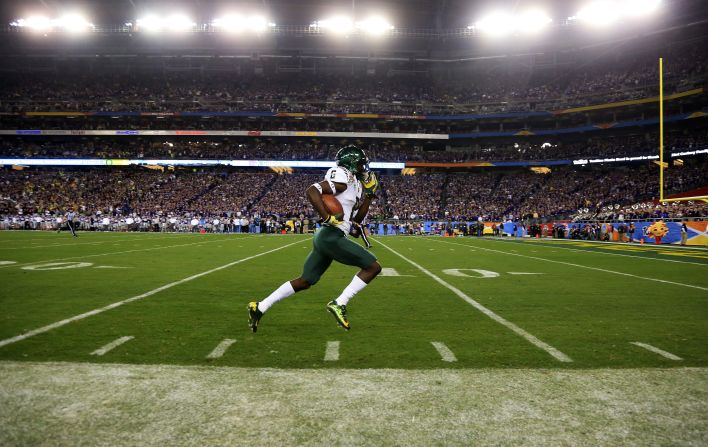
(339, 175)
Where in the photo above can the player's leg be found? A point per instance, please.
(315, 265)
(348, 252)
(71, 228)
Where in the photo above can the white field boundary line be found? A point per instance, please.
(91, 313)
(88, 243)
(636, 243)
(549, 245)
(555, 353)
(656, 350)
(221, 348)
(445, 353)
(332, 351)
(111, 345)
(115, 253)
(577, 265)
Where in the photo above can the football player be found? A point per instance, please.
(354, 186)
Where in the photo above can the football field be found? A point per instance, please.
(126, 338)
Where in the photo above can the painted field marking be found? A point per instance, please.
(58, 266)
(82, 243)
(111, 345)
(8, 262)
(221, 348)
(389, 271)
(504, 322)
(581, 266)
(332, 351)
(524, 273)
(93, 312)
(108, 254)
(545, 244)
(480, 273)
(444, 351)
(111, 267)
(656, 350)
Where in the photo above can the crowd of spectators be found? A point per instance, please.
(493, 196)
(400, 151)
(483, 87)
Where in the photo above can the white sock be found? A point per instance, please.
(352, 289)
(280, 293)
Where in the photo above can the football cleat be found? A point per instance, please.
(340, 314)
(254, 315)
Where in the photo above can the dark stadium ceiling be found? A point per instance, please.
(435, 14)
(425, 31)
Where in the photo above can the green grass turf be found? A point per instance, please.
(589, 315)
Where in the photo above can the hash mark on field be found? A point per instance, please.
(93, 312)
(444, 351)
(221, 348)
(656, 350)
(332, 351)
(111, 345)
(504, 322)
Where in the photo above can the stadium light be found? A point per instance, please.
(336, 25)
(501, 23)
(175, 22)
(532, 21)
(600, 13)
(603, 13)
(639, 7)
(374, 25)
(236, 23)
(496, 24)
(73, 23)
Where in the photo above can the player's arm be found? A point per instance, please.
(314, 195)
(363, 209)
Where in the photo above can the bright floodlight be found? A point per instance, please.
(600, 13)
(174, 22)
(149, 23)
(179, 22)
(639, 7)
(37, 23)
(231, 23)
(374, 25)
(496, 24)
(338, 25)
(74, 23)
(532, 21)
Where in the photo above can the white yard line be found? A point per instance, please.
(332, 351)
(91, 313)
(444, 351)
(111, 345)
(113, 253)
(614, 272)
(221, 348)
(656, 350)
(555, 353)
(113, 241)
(551, 246)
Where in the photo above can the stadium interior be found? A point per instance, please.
(532, 265)
(539, 130)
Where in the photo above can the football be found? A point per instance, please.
(332, 204)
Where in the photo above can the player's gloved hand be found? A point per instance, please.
(333, 219)
(371, 183)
